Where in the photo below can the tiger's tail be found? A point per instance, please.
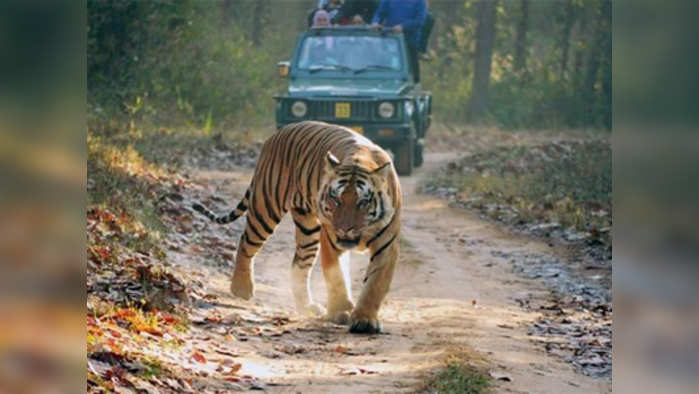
(229, 217)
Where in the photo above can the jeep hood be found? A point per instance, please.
(348, 87)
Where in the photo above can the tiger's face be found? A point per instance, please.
(352, 201)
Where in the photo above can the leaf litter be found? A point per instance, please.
(140, 335)
(575, 320)
(152, 325)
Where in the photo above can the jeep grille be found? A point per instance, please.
(325, 109)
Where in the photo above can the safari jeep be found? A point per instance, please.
(358, 78)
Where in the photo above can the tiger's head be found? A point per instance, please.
(353, 200)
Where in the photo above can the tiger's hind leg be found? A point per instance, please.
(339, 303)
(307, 245)
(256, 232)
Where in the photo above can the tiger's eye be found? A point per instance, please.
(333, 201)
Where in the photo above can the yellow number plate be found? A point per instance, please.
(357, 129)
(342, 110)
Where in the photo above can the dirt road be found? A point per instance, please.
(451, 295)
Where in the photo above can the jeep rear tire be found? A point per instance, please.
(404, 154)
(418, 155)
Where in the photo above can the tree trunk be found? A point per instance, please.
(582, 35)
(226, 12)
(485, 38)
(594, 61)
(258, 21)
(569, 19)
(606, 72)
(521, 40)
(447, 14)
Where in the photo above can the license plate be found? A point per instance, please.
(357, 129)
(342, 110)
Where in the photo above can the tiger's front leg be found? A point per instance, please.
(307, 245)
(339, 302)
(253, 238)
(384, 256)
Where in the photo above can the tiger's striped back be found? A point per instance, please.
(292, 162)
(289, 170)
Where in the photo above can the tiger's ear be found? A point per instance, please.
(331, 162)
(383, 169)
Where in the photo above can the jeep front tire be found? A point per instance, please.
(417, 162)
(404, 155)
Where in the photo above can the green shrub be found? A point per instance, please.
(174, 62)
(460, 378)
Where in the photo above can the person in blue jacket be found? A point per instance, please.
(406, 16)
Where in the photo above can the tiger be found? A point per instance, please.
(343, 194)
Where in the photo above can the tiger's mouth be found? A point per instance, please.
(348, 243)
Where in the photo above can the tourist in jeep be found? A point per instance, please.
(406, 16)
(321, 19)
(356, 12)
(332, 7)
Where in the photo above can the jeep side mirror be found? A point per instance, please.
(283, 68)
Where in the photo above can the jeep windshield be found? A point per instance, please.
(351, 53)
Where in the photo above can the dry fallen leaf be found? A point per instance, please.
(235, 368)
(199, 357)
(226, 352)
(349, 371)
(500, 376)
(341, 349)
(356, 371)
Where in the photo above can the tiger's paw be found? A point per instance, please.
(242, 286)
(311, 309)
(341, 317)
(316, 309)
(339, 311)
(364, 325)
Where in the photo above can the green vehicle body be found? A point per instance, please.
(322, 90)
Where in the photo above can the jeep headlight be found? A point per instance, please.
(386, 109)
(409, 108)
(299, 109)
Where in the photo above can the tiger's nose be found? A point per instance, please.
(348, 233)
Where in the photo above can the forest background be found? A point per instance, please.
(212, 64)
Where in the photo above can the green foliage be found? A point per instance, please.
(121, 178)
(552, 90)
(211, 64)
(460, 378)
(179, 61)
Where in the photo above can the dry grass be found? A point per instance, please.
(464, 372)
(568, 183)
